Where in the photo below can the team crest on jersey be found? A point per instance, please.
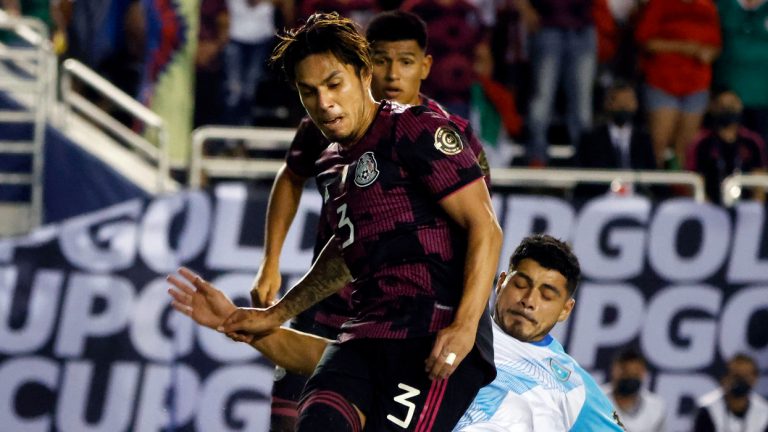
(448, 141)
(366, 172)
(561, 372)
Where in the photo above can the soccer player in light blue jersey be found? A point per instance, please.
(538, 386)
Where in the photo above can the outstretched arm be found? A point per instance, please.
(198, 299)
(292, 350)
(328, 275)
(283, 203)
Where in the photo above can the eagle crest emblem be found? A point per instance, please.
(366, 172)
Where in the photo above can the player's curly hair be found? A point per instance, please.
(550, 253)
(322, 33)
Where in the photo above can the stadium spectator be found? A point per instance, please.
(616, 50)
(539, 387)
(493, 111)
(618, 143)
(455, 28)
(251, 31)
(563, 46)
(639, 409)
(727, 147)
(744, 58)
(734, 406)
(209, 62)
(679, 40)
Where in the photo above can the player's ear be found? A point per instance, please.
(366, 76)
(426, 66)
(567, 309)
(500, 282)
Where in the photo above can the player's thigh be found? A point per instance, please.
(409, 400)
(286, 392)
(338, 390)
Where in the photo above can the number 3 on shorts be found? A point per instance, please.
(402, 399)
(345, 221)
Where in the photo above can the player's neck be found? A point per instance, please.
(370, 109)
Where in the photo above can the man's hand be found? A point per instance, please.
(452, 345)
(199, 300)
(257, 322)
(266, 285)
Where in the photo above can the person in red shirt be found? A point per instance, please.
(679, 40)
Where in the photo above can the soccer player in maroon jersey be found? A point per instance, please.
(399, 64)
(415, 235)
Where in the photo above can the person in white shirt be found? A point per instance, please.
(538, 386)
(734, 406)
(639, 409)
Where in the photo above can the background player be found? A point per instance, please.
(539, 387)
(399, 64)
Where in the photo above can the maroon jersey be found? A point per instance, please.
(463, 124)
(305, 149)
(382, 197)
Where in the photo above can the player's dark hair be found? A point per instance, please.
(322, 33)
(397, 26)
(550, 253)
(629, 355)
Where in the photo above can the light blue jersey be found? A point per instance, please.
(538, 387)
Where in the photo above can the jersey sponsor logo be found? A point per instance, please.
(448, 141)
(402, 399)
(366, 172)
(561, 372)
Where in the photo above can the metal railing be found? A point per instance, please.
(732, 186)
(254, 138)
(569, 178)
(275, 139)
(156, 149)
(31, 67)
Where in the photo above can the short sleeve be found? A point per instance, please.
(432, 149)
(305, 149)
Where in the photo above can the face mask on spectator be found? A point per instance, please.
(628, 386)
(739, 387)
(723, 119)
(621, 117)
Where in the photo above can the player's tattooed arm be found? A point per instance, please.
(329, 274)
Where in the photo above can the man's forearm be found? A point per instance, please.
(328, 275)
(283, 203)
(292, 350)
(484, 247)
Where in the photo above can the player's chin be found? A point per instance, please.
(520, 330)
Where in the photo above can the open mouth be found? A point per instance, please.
(332, 122)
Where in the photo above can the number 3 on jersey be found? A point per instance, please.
(345, 221)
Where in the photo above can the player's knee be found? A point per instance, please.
(324, 411)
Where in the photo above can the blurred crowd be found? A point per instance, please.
(636, 84)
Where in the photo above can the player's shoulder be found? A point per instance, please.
(459, 121)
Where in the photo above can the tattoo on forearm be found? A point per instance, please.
(328, 275)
